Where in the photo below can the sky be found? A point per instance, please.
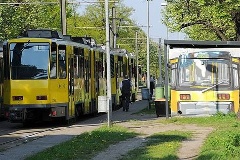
(157, 28)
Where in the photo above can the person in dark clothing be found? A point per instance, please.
(126, 88)
(152, 86)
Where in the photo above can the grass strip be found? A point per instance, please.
(86, 145)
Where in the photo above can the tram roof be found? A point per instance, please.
(119, 52)
(201, 44)
(178, 47)
(98, 48)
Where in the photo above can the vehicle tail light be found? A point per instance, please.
(17, 98)
(41, 97)
(54, 113)
(185, 96)
(223, 96)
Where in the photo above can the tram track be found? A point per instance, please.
(13, 137)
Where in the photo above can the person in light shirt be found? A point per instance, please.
(53, 72)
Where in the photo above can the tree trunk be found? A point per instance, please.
(236, 18)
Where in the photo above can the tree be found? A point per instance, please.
(92, 21)
(18, 17)
(204, 19)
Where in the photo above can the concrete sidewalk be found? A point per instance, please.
(66, 133)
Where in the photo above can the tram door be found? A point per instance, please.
(71, 108)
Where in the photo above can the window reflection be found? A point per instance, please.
(29, 60)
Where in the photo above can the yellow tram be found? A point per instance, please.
(204, 77)
(48, 77)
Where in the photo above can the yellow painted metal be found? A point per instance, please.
(57, 90)
(209, 96)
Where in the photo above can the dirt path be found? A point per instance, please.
(189, 149)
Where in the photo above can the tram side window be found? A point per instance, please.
(100, 66)
(97, 73)
(130, 68)
(87, 73)
(104, 65)
(133, 69)
(62, 66)
(124, 69)
(235, 76)
(173, 75)
(89, 65)
(81, 63)
(120, 62)
(6, 64)
(76, 63)
(53, 62)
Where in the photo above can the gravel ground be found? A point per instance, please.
(189, 149)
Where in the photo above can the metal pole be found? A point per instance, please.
(148, 71)
(109, 94)
(111, 41)
(166, 78)
(63, 16)
(160, 63)
(114, 27)
(136, 51)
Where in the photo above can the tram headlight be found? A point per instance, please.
(185, 97)
(223, 96)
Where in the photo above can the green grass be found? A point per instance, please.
(160, 146)
(86, 145)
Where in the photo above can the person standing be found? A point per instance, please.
(152, 86)
(126, 88)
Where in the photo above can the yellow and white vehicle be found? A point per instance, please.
(204, 77)
(50, 77)
(47, 77)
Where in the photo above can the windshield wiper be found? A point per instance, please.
(26, 46)
(214, 86)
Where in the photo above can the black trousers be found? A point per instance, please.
(126, 96)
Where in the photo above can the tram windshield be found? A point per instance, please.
(29, 60)
(204, 70)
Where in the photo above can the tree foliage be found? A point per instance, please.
(94, 16)
(204, 19)
(33, 14)
(18, 17)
